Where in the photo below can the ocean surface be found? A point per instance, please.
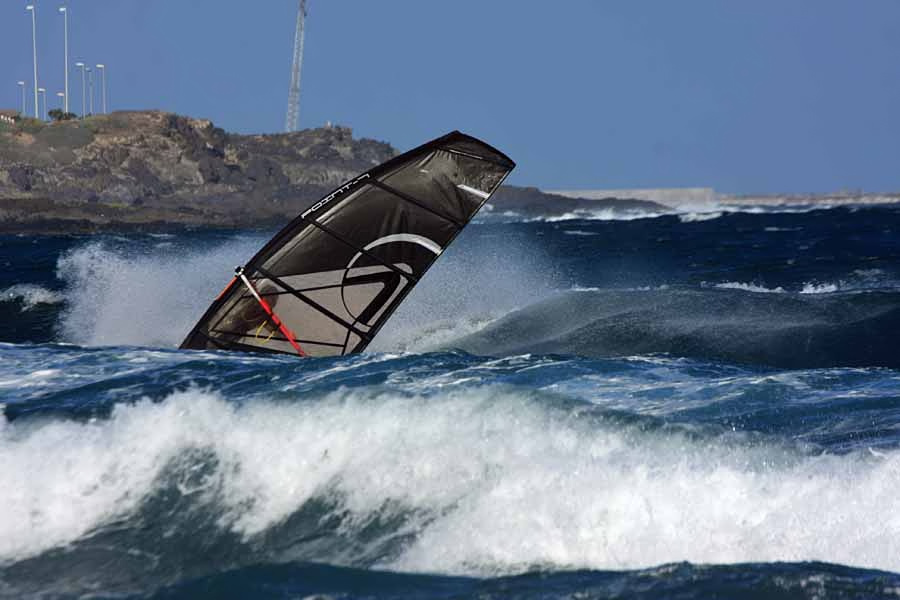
(703, 405)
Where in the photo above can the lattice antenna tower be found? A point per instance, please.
(293, 110)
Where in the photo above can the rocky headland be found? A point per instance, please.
(152, 171)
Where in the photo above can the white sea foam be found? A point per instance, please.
(587, 214)
(502, 482)
(695, 217)
(30, 295)
(820, 288)
(863, 280)
(600, 214)
(748, 287)
(858, 280)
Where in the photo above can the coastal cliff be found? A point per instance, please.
(152, 170)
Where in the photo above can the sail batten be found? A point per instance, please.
(332, 277)
(422, 205)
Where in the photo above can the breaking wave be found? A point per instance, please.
(601, 214)
(820, 288)
(476, 481)
(860, 280)
(30, 296)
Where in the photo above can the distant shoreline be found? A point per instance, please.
(687, 198)
(829, 199)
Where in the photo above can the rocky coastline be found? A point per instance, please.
(157, 171)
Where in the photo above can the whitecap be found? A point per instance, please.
(495, 479)
(695, 217)
(747, 287)
(820, 288)
(31, 295)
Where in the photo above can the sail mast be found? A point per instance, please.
(293, 109)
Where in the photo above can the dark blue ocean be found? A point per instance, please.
(683, 406)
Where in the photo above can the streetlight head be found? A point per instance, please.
(21, 82)
(62, 9)
(43, 90)
(79, 64)
(61, 94)
(101, 66)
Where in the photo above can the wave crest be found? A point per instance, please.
(776, 329)
(479, 481)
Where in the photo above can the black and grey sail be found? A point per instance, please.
(328, 281)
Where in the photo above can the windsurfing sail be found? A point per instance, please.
(328, 281)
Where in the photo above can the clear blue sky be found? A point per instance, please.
(752, 96)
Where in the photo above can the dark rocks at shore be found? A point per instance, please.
(529, 202)
(151, 170)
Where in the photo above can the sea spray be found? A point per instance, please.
(152, 297)
(488, 480)
(148, 297)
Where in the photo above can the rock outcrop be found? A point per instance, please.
(151, 167)
(152, 170)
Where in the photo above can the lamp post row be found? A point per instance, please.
(65, 94)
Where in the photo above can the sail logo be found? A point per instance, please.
(367, 291)
(334, 194)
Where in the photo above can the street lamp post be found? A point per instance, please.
(22, 85)
(62, 97)
(30, 8)
(44, 92)
(103, 84)
(80, 65)
(90, 91)
(65, 14)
